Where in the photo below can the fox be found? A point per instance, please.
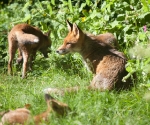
(53, 105)
(23, 115)
(105, 62)
(28, 40)
(19, 115)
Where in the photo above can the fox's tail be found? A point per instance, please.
(59, 107)
(61, 91)
(26, 38)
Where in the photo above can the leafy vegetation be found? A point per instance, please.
(128, 20)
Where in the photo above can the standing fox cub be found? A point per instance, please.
(106, 63)
(27, 40)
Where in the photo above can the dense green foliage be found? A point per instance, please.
(127, 19)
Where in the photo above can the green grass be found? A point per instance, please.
(90, 107)
(124, 19)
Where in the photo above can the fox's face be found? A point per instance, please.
(47, 44)
(73, 41)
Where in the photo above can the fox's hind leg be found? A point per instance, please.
(12, 50)
(32, 58)
(25, 55)
(101, 83)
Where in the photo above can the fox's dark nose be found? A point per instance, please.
(61, 51)
(57, 51)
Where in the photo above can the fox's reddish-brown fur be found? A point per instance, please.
(20, 115)
(27, 39)
(106, 63)
(107, 38)
(23, 116)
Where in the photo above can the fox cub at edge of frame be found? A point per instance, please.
(23, 115)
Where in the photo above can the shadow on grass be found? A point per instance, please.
(70, 64)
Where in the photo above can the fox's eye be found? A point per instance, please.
(68, 43)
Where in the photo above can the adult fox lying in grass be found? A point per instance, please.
(27, 39)
(106, 63)
(23, 116)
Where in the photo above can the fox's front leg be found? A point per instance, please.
(12, 50)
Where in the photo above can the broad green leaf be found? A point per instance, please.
(50, 9)
(85, 13)
(143, 15)
(12, 6)
(114, 24)
(127, 28)
(44, 26)
(70, 6)
(93, 14)
(88, 2)
(82, 6)
(53, 2)
(27, 17)
(103, 6)
(26, 6)
(145, 5)
(142, 36)
(106, 17)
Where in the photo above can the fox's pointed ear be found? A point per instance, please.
(48, 97)
(27, 106)
(48, 33)
(75, 30)
(69, 25)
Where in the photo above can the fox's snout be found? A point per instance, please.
(62, 51)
